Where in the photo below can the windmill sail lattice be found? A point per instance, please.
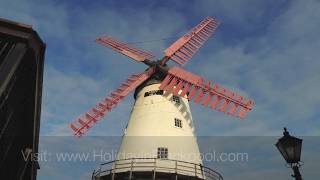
(184, 48)
(182, 83)
(87, 120)
(125, 49)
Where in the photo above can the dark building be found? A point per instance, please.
(21, 71)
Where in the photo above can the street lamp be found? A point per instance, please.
(290, 149)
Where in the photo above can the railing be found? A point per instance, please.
(155, 165)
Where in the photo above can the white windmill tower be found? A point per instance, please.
(159, 141)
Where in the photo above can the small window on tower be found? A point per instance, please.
(175, 99)
(151, 93)
(177, 123)
(162, 153)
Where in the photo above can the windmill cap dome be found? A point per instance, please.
(156, 78)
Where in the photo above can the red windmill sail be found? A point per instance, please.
(125, 49)
(184, 48)
(87, 120)
(203, 91)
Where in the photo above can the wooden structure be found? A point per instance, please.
(21, 71)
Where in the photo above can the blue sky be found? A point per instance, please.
(267, 50)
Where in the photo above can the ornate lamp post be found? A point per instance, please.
(290, 148)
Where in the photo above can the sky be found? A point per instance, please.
(265, 50)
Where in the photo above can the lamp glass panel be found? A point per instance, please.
(290, 152)
(298, 150)
(282, 150)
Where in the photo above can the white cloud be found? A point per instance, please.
(278, 69)
(49, 18)
(66, 95)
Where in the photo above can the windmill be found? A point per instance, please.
(162, 95)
